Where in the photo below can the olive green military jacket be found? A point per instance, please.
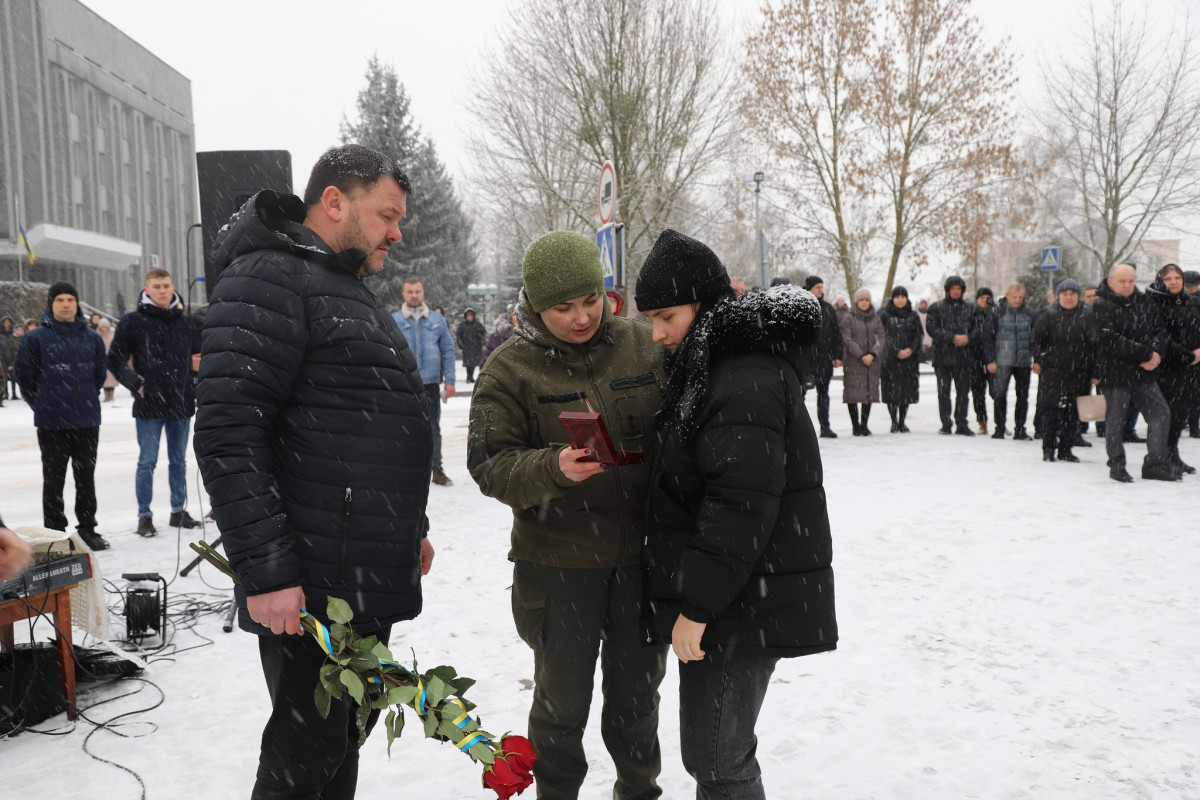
(515, 438)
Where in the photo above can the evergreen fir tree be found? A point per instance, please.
(437, 244)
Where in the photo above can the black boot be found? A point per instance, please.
(1067, 455)
(1047, 455)
(1019, 435)
(853, 409)
(892, 414)
(902, 415)
(866, 414)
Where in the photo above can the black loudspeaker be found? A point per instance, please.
(31, 687)
(227, 179)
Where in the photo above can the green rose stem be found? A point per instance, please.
(364, 669)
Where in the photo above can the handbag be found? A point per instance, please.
(1092, 407)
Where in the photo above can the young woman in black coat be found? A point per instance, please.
(1062, 345)
(900, 375)
(1179, 374)
(738, 551)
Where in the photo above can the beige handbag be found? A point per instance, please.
(1092, 407)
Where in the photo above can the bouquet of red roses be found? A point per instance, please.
(364, 670)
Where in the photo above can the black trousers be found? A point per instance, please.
(304, 757)
(1000, 394)
(77, 446)
(1154, 407)
(1061, 426)
(1182, 399)
(981, 387)
(960, 377)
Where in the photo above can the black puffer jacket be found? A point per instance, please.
(1128, 332)
(311, 432)
(828, 347)
(948, 318)
(1063, 346)
(162, 342)
(737, 530)
(1179, 316)
(900, 378)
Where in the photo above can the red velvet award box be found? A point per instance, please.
(585, 429)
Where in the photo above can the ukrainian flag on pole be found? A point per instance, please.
(24, 240)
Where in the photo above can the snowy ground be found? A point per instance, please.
(1009, 629)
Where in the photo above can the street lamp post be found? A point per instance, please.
(760, 249)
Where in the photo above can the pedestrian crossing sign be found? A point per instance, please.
(1051, 258)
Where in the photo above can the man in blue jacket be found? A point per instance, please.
(429, 338)
(60, 368)
(163, 344)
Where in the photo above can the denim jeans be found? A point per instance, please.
(149, 432)
(433, 399)
(719, 703)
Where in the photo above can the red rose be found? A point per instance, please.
(512, 772)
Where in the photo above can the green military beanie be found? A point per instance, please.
(560, 266)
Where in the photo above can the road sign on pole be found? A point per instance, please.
(607, 242)
(608, 192)
(1051, 258)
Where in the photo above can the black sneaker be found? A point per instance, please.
(182, 519)
(146, 526)
(1120, 475)
(999, 434)
(963, 430)
(827, 433)
(93, 539)
(945, 430)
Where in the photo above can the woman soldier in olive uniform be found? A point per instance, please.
(578, 525)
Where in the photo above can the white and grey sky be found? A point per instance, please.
(276, 74)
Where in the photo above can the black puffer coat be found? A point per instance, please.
(61, 369)
(737, 530)
(470, 337)
(1063, 346)
(1128, 332)
(162, 342)
(947, 318)
(311, 433)
(900, 378)
(1179, 316)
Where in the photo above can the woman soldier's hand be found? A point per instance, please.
(576, 470)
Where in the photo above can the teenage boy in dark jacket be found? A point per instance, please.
(314, 443)
(61, 369)
(162, 342)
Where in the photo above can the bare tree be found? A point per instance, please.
(643, 83)
(808, 70)
(943, 119)
(1125, 110)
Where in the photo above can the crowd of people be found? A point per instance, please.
(1139, 349)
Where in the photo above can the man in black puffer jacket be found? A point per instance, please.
(1130, 344)
(951, 324)
(825, 354)
(314, 443)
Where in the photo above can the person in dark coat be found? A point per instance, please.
(1005, 339)
(738, 550)
(981, 379)
(162, 342)
(825, 355)
(951, 324)
(314, 443)
(8, 353)
(1062, 346)
(862, 338)
(470, 336)
(61, 369)
(1179, 375)
(1130, 346)
(499, 335)
(900, 372)
(1191, 283)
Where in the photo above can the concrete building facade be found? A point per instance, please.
(97, 153)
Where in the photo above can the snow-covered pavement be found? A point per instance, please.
(1009, 629)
